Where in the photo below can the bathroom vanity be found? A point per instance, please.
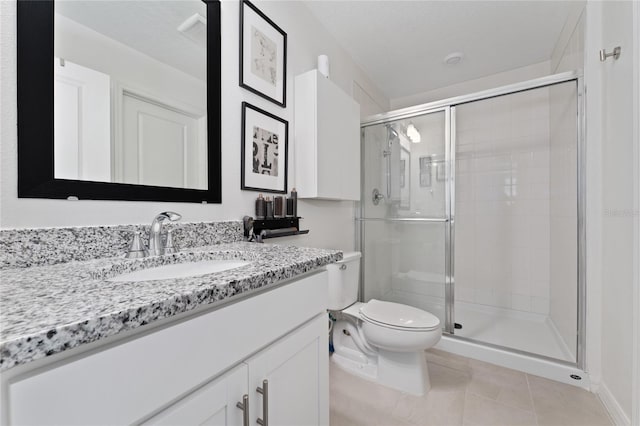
(229, 347)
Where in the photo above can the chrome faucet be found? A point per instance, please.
(156, 247)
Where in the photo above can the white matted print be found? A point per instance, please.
(264, 150)
(263, 55)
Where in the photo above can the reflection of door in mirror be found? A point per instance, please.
(131, 98)
(161, 145)
(82, 148)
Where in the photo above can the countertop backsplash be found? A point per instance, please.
(21, 248)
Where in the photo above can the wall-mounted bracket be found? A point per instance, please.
(604, 55)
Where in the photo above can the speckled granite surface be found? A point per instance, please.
(48, 309)
(21, 248)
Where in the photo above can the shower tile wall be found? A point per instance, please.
(502, 241)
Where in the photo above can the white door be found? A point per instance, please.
(82, 123)
(296, 371)
(161, 144)
(213, 404)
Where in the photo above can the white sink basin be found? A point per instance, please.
(180, 270)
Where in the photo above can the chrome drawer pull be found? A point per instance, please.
(244, 406)
(264, 391)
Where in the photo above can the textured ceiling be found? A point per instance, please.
(402, 44)
(147, 26)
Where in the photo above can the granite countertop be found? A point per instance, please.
(45, 310)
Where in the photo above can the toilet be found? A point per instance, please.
(379, 341)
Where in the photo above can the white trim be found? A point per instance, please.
(422, 109)
(611, 404)
(594, 208)
(635, 384)
(549, 369)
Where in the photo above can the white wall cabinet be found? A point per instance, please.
(327, 140)
(192, 370)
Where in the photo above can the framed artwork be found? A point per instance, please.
(263, 55)
(264, 151)
(425, 172)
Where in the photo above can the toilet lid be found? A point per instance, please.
(398, 315)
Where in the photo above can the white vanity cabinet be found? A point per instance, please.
(327, 140)
(191, 370)
(213, 404)
(293, 370)
(290, 374)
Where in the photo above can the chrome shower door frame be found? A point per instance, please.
(449, 107)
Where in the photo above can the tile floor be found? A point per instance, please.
(464, 392)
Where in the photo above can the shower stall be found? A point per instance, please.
(472, 208)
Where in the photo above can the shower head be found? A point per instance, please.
(392, 133)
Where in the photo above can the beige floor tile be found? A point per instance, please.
(464, 392)
(500, 384)
(486, 412)
(446, 359)
(560, 404)
(347, 388)
(437, 408)
(445, 379)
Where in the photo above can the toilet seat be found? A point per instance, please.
(397, 316)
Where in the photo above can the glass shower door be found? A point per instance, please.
(405, 211)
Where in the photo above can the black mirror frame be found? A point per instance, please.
(35, 32)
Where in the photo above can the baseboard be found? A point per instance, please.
(616, 412)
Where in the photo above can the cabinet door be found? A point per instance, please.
(296, 370)
(213, 404)
(338, 144)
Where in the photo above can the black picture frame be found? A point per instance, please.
(243, 83)
(244, 182)
(35, 75)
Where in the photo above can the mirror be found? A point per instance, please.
(119, 99)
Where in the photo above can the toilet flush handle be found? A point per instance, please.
(343, 267)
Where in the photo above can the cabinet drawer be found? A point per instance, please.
(125, 382)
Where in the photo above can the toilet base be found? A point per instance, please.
(403, 371)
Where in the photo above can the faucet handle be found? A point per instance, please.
(170, 246)
(137, 248)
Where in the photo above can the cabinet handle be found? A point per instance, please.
(244, 406)
(264, 391)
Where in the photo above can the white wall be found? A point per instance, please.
(489, 82)
(331, 223)
(618, 216)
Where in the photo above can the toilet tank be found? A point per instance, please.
(344, 277)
